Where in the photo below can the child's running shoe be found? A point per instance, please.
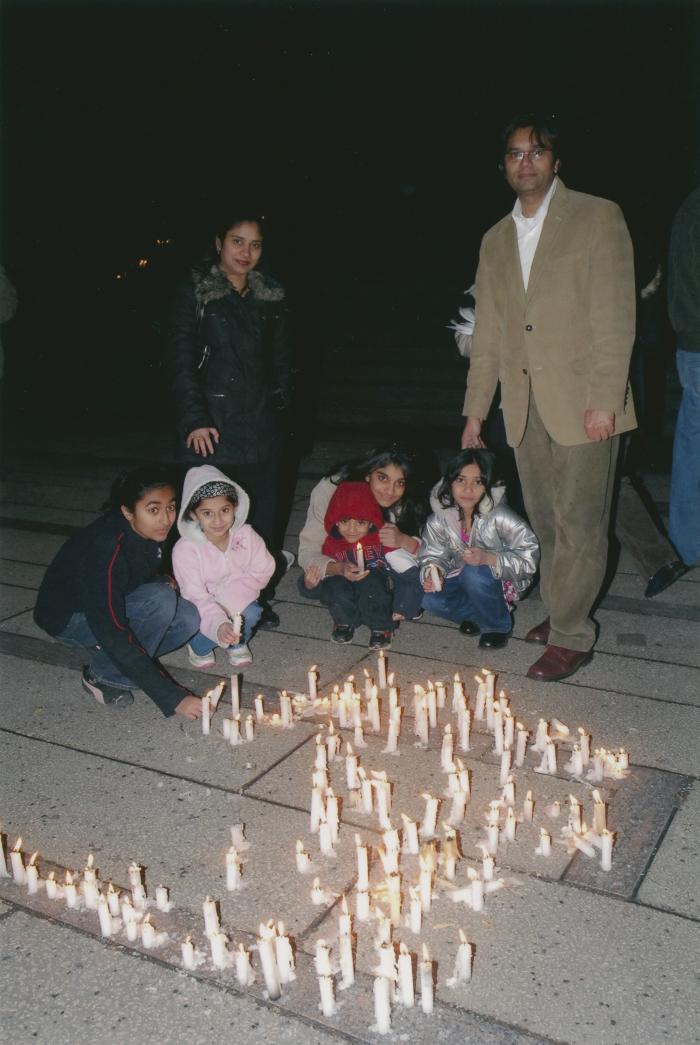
(380, 639)
(342, 633)
(205, 660)
(240, 656)
(114, 696)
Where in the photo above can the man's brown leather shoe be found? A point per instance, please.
(558, 663)
(539, 634)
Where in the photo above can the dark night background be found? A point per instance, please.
(368, 135)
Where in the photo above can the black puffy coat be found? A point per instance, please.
(231, 365)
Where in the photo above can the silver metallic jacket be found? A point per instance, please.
(497, 530)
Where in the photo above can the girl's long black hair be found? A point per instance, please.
(412, 510)
(130, 487)
(485, 462)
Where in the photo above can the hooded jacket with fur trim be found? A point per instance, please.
(219, 583)
(230, 364)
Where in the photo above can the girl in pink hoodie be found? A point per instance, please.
(221, 565)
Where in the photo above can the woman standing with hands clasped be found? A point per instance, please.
(482, 555)
(231, 364)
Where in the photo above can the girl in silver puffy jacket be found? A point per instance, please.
(476, 558)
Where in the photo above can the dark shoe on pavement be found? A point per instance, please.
(664, 578)
(269, 618)
(493, 640)
(114, 696)
(380, 639)
(342, 633)
(467, 627)
(558, 663)
(539, 634)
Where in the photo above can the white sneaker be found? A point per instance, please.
(289, 557)
(206, 660)
(240, 656)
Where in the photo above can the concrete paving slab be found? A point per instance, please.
(58, 515)
(21, 573)
(50, 705)
(25, 546)
(101, 994)
(14, 601)
(673, 880)
(66, 804)
(71, 493)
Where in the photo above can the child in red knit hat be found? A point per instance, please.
(362, 593)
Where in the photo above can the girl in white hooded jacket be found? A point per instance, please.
(221, 565)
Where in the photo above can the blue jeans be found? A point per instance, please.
(159, 619)
(684, 523)
(475, 595)
(201, 645)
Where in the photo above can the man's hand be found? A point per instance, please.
(471, 436)
(202, 440)
(599, 425)
(190, 707)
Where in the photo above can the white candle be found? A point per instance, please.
(435, 577)
(345, 957)
(216, 694)
(464, 726)
(498, 729)
(508, 728)
(427, 990)
(325, 840)
(362, 910)
(244, 969)
(332, 743)
(317, 809)
(188, 955)
(31, 875)
(4, 872)
(249, 728)
(163, 898)
(219, 950)
(528, 808)
(206, 714)
(235, 696)
(521, 745)
(303, 859)
(477, 889)
(70, 891)
(487, 865)
(286, 710)
(373, 711)
(359, 556)
(492, 833)
(575, 816)
(52, 887)
(446, 753)
(541, 736)
(233, 870)
(393, 694)
(430, 817)
(425, 884)
(383, 790)
(17, 862)
(406, 986)
(211, 916)
(459, 805)
(505, 766)
(457, 691)
(105, 917)
(381, 669)
(321, 757)
(599, 814)
(284, 955)
(313, 682)
(148, 933)
(359, 737)
(138, 898)
(431, 704)
(585, 745)
(318, 896)
(606, 847)
(382, 1005)
(392, 742)
(575, 763)
(268, 962)
(415, 916)
(226, 729)
(545, 846)
(508, 795)
(410, 835)
(463, 961)
(449, 854)
(259, 704)
(480, 698)
(235, 737)
(327, 1006)
(362, 864)
(510, 825)
(551, 752)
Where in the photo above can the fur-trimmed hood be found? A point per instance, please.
(196, 478)
(214, 285)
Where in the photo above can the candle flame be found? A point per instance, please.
(52, 876)
(331, 728)
(367, 674)
(448, 729)
(344, 905)
(17, 847)
(312, 668)
(32, 860)
(241, 948)
(472, 875)
(147, 920)
(462, 936)
(90, 861)
(426, 953)
(348, 750)
(316, 884)
(403, 949)
(390, 680)
(528, 796)
(69, 878)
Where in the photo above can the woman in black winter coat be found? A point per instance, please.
(231, 364)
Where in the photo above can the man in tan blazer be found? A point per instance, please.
(555, 315)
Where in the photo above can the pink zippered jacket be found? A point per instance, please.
(220, 584)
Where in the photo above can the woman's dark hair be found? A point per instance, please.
(485, 463)
(411, 511)
(237, 217)
(130, 487)
(545, 130)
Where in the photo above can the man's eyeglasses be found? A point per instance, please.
(518, 155)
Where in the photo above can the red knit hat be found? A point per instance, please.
(353, 501)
